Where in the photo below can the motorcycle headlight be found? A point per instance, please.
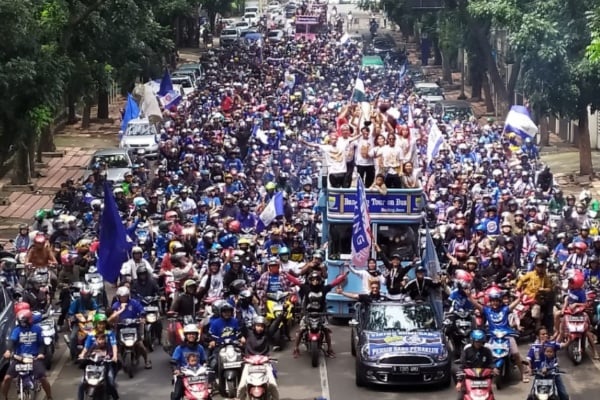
(151, 318)
(230, 354)
(47, 340)
(542, 396)
(92, 381)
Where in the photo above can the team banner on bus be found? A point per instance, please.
(307, 20)
(391, 203)
(361, 228)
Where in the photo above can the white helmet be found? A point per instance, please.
(123, 291)
(190, 328)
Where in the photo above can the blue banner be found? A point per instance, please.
(361, 228)
(429, 343)
(391, 203)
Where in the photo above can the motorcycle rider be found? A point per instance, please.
(144, 285)
(78, 313)
(23, 240)
(312, 297)
(187, 302)
(127, 308)
(538, 285)
(26, 338)
(102, 338)
(272, 280)
(179, 358)
(236, 271)
(224, 327)
(474, 355)
(40, 255)
(132, 266)
(496, 315)
(422, 286)
(548, 362)
(257, 343)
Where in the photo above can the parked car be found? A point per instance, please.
(196, 67)
(430, 91)
(140, 134)
(189, 73)
(185, 82)
(399, 344)
(116, 162)
(454, 109)
(229, 36)
(7, 322)
(251, 18)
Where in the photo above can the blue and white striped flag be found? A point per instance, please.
(273, 210)
(519, 121)
(434, 141)
(361, 228)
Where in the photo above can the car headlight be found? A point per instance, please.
(443, 356)
(364, 352)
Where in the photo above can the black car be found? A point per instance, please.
(7, 322)
(382, 45)
(399, 344)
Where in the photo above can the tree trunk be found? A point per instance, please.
(103, 104)
(489, 101)
(437, 53)
(177, 31)
(21, 170)
(446, 67)
(31, 146)
(476, 76)
(72, 116)
(86, 116)
(585, 147)
(544, 132)
(46, 142)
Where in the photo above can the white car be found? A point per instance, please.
(140, 134)
(252, 18)
(276, 36)
(242, 26)
(186, 83)
(229, 36)
(429, 91)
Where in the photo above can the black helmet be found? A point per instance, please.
(141, 270)
(214, 260)
(164, 226)
(226, 307)
(237, 286)
(315, 278)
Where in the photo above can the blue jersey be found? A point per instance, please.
(133, 310)
(27, 340)
(274, 283)
(576, 296)
(536, 351)
(181, 352)
(90, 340)
(497, 319)
(221, 329)
(460, 301)
(78, 307)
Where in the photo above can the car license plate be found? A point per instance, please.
(407, 370)
(23, 367)
(234, 364)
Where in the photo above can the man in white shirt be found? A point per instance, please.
(335, 160)
(345, 143)
(364, 157)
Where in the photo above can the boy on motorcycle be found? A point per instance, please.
(102, 342)
(474, 355)
(20, 343)
(78, 312)
(180, 357)
(548, 362)
(257, 343)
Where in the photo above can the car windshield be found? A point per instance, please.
(400, 317)
(185, 82)
(229, 32)
(430, 91)
(273, 34)
(383, 43)
(140, 130)
(112, 160)
(457, 112)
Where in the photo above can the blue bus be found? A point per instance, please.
(395, 221)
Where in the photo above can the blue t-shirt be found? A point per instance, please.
(181, 352)
(274, 283)
(78, 307)
(224, 328)
(134, 309)
(90, 339)
(576, 296)
(497, 319)
(27, 340)
(536, 351)
(459, 300)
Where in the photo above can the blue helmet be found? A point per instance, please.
(477, 335)
(284, 251)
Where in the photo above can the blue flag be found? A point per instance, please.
(132, 111)
(273, 210)
(114, 246)
(361, 228)
(432, 263)
(166, 85)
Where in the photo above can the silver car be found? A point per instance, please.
(115, 162)
(140, 134)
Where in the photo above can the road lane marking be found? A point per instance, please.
(324, 379)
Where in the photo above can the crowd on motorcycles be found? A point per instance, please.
(521, 259)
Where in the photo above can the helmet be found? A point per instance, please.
(137, 249)
(315, 275)
(141, 270)
(190, 329)
(175, 246)
(214, 260)
(99, 317)
(40, 214)
(40, 238)
(25, 317)
(495, 294)
(259, 320)
(234, 226)
(123, 291)
(580, 246)
(477, 335)
(188, 283)
(216, 306)
(236, 260)
(226, 307)
(463, 278)
(577, 280)
(284, 251)
(21, 306)
(85, 291)
(164, 226)
(270, 186)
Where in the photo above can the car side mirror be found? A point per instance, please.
(353, 323)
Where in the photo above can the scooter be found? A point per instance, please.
(230, 367)
(500, 346)
(153, 325)
(279, 311)
(84, 327)
(478, 384)
(544, 386)
(96, 284)
(27, 385)
(257, 381)
(94, 376)
(128, 336)
(196, 383)
(577, 325)
(457, 325)
(48, 325)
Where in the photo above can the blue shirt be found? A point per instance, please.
(181, 352)
(134, 309)
(459, 300)
(274, 283)
(90, 339)
(224, 328)
(77, 307)
(536, 351)
(576, 296)
(497, 319)
(27, 340)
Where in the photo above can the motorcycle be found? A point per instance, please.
(279, 310)
(96, 284)
(576, 326)
(27, 385)
(48, 325)
(478, 384)
(457, 326)
(525, 317)
(175, 326)
(544, 386)
(314, 336)
(229, 367)
(257, 380)
(94, 376)
(500, 346)
(153, 326)
(128, 336)
(84, 327)
(196, 383)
